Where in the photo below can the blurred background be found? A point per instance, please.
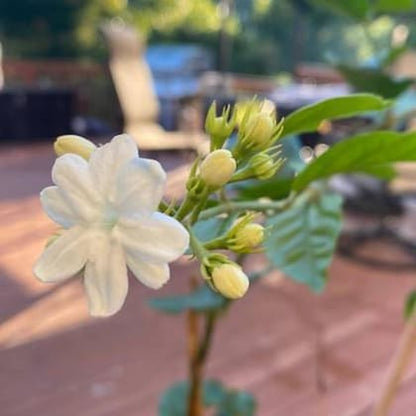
(151, 68)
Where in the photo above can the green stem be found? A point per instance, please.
(200, 206)
(216, 244)
(197, 247)
(187, 204)
(245, 206)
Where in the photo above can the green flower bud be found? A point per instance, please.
(244, 236)
(217, 168)
(71, 143)
(263, 166)
(230, 280)
(249, 237)
(219, 128)
(259, 129)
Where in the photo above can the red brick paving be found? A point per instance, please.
(302, 355)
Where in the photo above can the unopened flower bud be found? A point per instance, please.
(217, 168)
(230, 280)
(219, 128)
(70, 143)
(263, 165)
(259, 129)
(249, 237)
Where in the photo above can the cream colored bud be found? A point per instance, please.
(217, 168)
(268, 107)
(263, 165)
(250, 236)
(70, 143)
(230, 280)
(260, 128)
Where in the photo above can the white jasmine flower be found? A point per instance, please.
(107, 207)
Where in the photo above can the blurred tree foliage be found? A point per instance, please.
(268, 36)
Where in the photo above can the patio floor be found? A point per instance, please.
(301, 355)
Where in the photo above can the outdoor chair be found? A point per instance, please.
(134, 87)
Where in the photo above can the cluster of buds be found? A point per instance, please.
(255, 154)
(224, 276)
(258, 131)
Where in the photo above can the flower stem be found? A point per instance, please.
(194, 404)
(398, 365)
(197, 210)
(231, 207)
(216, 244)
(197, 363)
(186, 206)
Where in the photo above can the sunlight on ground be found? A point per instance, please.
(57, 311)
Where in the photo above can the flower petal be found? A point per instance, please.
(63, 258)
(106, 161)
(153, 275)
(70, 172)
(158, 238)
(105, 277)
(55, 206)
(140, 187)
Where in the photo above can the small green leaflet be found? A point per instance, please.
(308, 119)
(202, 299)
(226, 402)
(369, 153)
(301, 240)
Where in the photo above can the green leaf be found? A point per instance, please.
(355, 9)
(237, 403)
(209, 229)
(369, 153)
(301, 240)
(409, 306)
(374, 81)
(393, 6)
(202, 299)
(275, 188)
(308, 118)
(174, 401)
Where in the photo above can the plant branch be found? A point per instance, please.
(194, 403)
(196, 366)
(231, 207)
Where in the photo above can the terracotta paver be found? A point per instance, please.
(301, 354)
